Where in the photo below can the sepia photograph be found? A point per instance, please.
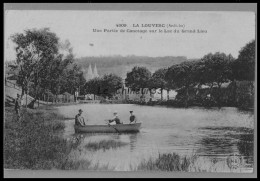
(132, 91)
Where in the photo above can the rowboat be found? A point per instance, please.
(118, 128)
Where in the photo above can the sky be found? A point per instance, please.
(227, 32)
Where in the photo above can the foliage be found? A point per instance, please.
(182, 76)
(110, 84)
(244, 66)
(104, 86)
(158, 80)
(93, 86)
(33, 48)
(217, 69)
(138, 78)
(45, 63)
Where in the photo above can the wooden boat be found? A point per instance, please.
(118, 128)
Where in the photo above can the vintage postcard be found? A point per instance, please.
(159, 91)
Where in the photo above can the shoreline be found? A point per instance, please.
(169, 104)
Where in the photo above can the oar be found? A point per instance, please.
(111, 126)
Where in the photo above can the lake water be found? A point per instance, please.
(213, 134)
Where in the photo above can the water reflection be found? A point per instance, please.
(122, 137)
(214, 145)
(115, 136)
(246, 148)
(226, 141)
(133, 141)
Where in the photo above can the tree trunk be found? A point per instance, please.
(26, 100)
(219, 95)
(187, 97)
(22, 92)
(234, 93)
(150, 90)
(252, 87)
(210, 91)
(161, 94)
(168, 96)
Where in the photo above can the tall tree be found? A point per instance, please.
(158, 80)
(138, 78)
(216, 70)
(32, 49)
(110, 84)
(182, 76)
(46, 63)
(244, 66)
(93, 86)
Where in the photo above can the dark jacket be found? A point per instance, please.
(117, 120)
(132, 118)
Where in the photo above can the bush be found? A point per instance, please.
(166, 162)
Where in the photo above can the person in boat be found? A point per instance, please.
(132, 118)
(79, 120)
(115, 120)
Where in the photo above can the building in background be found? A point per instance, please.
(90, 74)
(126, 93)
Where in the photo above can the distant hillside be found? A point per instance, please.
(121, 65)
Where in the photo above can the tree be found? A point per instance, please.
(216, 70)
(181, 76)
(93, 86)
(46, 63)
(33, 48)
(244, 70)
(158, 80)
(110, 84)
(138, 78)
(244, 66)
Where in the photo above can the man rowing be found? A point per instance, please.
(115, 120)
(79, 120)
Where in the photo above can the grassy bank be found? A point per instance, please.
(194, 163)
(35, 142)
(165, 162)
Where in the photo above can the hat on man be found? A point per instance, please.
(131, 111)
(80, 110)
